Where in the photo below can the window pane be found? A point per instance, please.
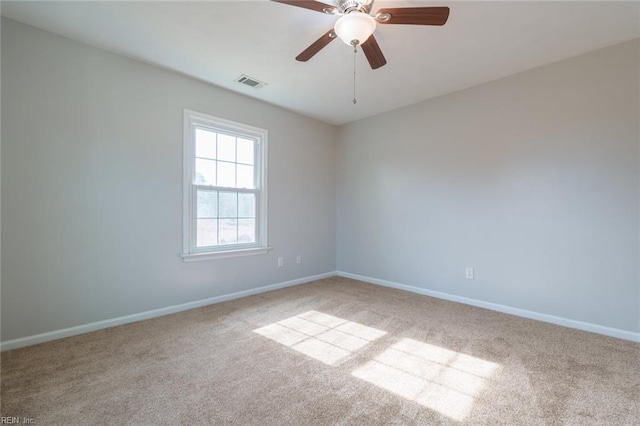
(205, 144)
(226, 174)
(225, 192)
(228, 205)
(205, 172)
(226, 147)
(245, 151)
(246, 231)
(228, 231)
(207, 232)
(247, 205)
(245, 176)
(207, 204)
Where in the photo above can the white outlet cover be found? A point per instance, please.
(469, 273)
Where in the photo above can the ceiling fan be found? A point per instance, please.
(356, 26)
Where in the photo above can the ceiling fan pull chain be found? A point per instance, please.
(355, 101)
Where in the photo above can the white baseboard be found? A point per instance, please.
(585, 326)
(86, 328)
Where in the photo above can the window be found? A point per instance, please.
(225, 195)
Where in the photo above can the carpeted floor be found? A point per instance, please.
(336, 351)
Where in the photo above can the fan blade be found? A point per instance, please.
(310, 4)
(413, 15)
(373, 53)
(317, 46)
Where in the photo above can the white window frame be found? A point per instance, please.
(190, 251)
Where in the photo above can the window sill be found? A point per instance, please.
(197, 257)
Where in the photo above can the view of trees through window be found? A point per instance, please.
(225, 183)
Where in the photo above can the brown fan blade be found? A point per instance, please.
(310, 4)
(317, 46)
(413, 15)
(373, 53)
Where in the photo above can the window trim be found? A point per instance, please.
(190, 252)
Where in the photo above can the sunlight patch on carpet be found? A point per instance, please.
(320, 336)
(440, 379)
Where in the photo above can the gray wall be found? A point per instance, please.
(533, 180)
(92, 187)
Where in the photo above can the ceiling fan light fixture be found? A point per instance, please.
(355, 28)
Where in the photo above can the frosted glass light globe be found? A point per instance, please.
(355, 28)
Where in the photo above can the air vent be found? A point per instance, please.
(250, 81)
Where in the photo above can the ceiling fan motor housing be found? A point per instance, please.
(348, 6)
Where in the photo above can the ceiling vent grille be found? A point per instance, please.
(250, 81)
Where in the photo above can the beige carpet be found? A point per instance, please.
(336, 351)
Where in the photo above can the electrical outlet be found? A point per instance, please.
(298, 259)
(280, 262)
(469, 273)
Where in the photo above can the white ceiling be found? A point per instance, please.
(216, 41)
